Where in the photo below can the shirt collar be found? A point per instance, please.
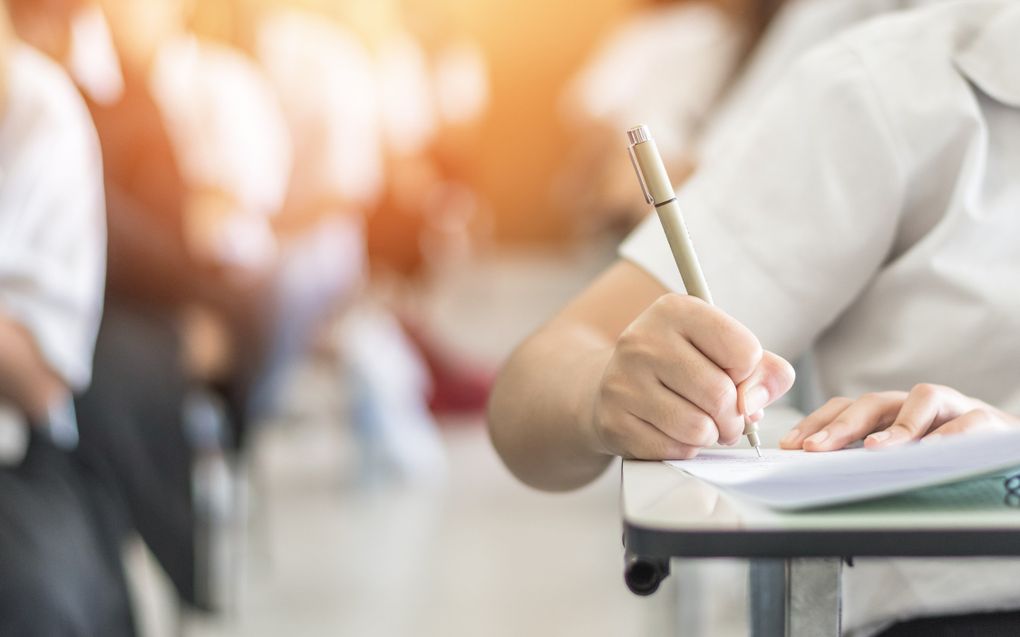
(992, 59)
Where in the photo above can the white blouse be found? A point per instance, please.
(229, 135)
(326, 82)
(52, 215)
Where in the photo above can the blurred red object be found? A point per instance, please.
(459, 387)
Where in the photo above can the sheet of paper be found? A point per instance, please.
(797, 479)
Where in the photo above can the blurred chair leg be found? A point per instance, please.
(218, 510)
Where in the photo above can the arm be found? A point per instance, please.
(791, 227)
(627, 370)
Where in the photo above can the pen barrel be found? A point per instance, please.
(683, 250)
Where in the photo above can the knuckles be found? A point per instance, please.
(720, 399)
(839, 401)
(928, 391)
(672, 304)
(701, 431)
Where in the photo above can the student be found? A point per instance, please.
(867, 212)
(61, 571)
(131, 416)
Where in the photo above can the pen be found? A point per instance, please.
(658, 192)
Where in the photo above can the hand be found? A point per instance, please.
(681, 377)
(891, 418)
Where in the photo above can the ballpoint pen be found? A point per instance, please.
(658, 192)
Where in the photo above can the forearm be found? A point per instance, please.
(540, 413)
(26, 380)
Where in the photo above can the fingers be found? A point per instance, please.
(633, 437)
(867, 414)
(696, 380)
(979, 419)
(927, 406)
(772, 378)
(676, 369)
(814, 422)
(723, 339)
(891, 418)
(676, 417)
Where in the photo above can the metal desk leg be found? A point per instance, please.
(689, 593)
(767, 591)
(796, 598)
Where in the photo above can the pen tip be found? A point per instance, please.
(757, 451)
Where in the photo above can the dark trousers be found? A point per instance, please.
(133, 440)
(60, 566)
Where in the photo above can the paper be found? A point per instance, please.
(798, 479)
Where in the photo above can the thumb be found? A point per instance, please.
(770, 380)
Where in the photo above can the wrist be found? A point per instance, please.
(589, 378)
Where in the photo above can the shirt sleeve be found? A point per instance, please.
(798, 213)
(52, 218)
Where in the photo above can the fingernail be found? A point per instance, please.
(879, 436)
(791, 436)
(755, 399)
(818, 437)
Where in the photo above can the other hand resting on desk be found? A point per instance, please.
(889, 418)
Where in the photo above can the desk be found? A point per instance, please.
(796, 558)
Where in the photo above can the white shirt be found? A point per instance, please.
(325, 79)
(798, 26)
(407, 94)
(229, 134)
(52, 215)
(870, 210)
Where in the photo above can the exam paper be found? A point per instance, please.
(798, 479)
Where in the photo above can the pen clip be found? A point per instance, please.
(640, 176)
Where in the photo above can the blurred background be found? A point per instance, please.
(328, 221)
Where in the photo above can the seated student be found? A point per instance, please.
(131, 416)
(866, 212)
(61, 573)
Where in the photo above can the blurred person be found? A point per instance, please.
(887, 192)
(668, 66)
(433, 86)
(132, 417)
(327, 83)
(330, 83)
(62, 573)
(386, 105)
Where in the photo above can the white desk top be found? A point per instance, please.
(668, 511)
(657, 496)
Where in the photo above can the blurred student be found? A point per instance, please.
(668, 66)
(866, 212)
(61, 568)
(329, 81)
(132, 416)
